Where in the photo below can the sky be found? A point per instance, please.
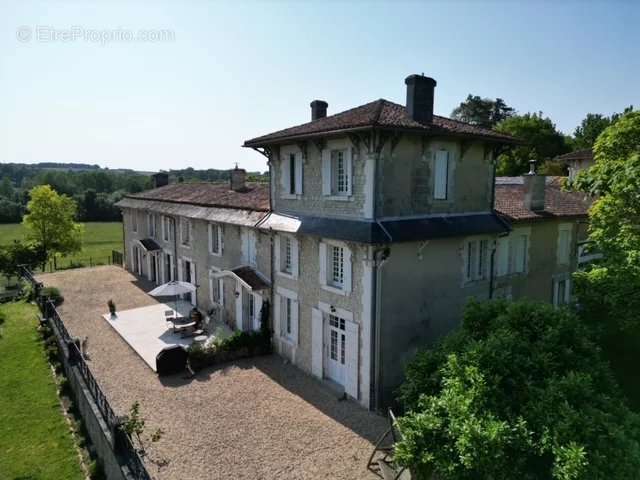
(162, 85)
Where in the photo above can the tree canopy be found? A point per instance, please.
(519, 391)
(483, 112)
(543, 142)
(586, 134)
(50, 223)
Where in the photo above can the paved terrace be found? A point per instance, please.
(257, 418)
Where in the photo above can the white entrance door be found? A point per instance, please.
(336, 349)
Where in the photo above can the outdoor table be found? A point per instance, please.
(200, 339)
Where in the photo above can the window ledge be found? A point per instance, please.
(287, 340)
(335, 290)
(290, 276)
(291, 196)
(215, 254)
(339, 198)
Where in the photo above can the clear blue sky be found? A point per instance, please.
(237, 70)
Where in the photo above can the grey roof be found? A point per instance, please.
(150, 245)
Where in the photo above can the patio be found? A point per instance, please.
(255, 418)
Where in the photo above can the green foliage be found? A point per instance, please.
(519, 391)
(484, 112)
(53, 294)
(586, 134)
(542, 142)
(134, 425)
(112, 307)
(17, 254)
(50, 222)
(238, 345)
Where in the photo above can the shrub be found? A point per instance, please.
(53, 294)
(519, 391)
(238, 345)
(112, 307)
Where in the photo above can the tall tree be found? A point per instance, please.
(50, 222)
(519, 391)
(542, 142)
(586, 134)
(483, 112)
(6, 188)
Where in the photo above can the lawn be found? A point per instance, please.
(35, 440)
(100, 238)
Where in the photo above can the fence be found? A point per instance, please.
(113, 443)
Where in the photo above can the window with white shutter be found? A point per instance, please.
(215, 238)
(502, 255)
(288, 312)
(564, 244)
(185, 232)
(337, 172)
(476, 259)
(441, 175)
(291, 172)
(335, 266)
(520, 244)
(134, 220)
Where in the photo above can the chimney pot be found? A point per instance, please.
(238, 177)
(420, 94)
(534, 189)
(160, 179)
(318, 109)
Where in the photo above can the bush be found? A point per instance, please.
(238, 345)
(519, 391)
(53, 294)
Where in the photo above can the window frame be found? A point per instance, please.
(280, 255)
(329, 179)
(214, 230)
(326, 266)
(189, 229)
(441, 193)
(288, 315)
(566, 280)
(564, 257)
(291, 172)
(476, 252)
(134, 221)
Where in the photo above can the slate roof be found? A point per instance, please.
(251, 277)
(255, 197)
(150, 245)
(509, 201)
(382, 114)
(585, 154)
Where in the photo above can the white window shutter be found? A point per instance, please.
(211, 233)
(323, 263)
(295, 257)
(190, 231)
(257, 307)
(441, 175)
(295, 315)
(503, 256)
(349, 168)
(221, 290)
(351, 360)
(326, 171)
(284, 173)
(179, 269)
(347, 269)
(276, 256)
(317, 343)
(299, 174)
(276, 315)
(220, 238)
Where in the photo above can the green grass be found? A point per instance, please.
(35, 440)
(100, 238)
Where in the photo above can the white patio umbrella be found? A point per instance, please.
(173, 288)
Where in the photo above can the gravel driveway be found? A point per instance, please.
(256, 418)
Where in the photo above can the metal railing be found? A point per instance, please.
(125, 446)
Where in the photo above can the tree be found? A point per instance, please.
(542, 142)
(50, 222)
(586, 134)
(6, 189)
(18, 254)
(519, 391)
(483, 112)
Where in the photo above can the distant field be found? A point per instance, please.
(100, 238)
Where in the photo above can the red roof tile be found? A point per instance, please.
(254, 197)
(509, 201)
(383, 114)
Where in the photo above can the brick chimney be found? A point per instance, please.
(238, 177)
(534, 189)
(420, 91)
(160, 179)
(318, 109)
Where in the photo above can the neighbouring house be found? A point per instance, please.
(577, 161)
(378, 225)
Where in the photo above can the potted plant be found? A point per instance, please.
(112, 308)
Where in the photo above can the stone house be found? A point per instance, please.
(577, 161)
(378, 225)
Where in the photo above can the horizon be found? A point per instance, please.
(209, 76)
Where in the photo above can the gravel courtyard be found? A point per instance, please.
(256, 418)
